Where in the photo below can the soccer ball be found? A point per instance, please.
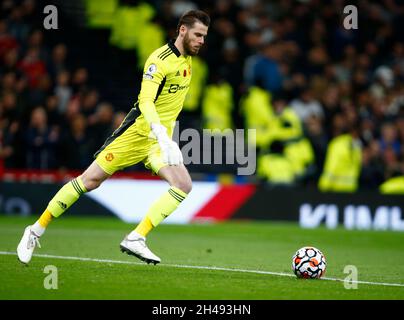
(308, 262)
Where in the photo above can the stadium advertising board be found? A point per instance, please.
(211, 201)
(363, 210)
(129, 199)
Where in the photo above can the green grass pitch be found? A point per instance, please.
(189, 253)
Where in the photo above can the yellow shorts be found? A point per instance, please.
(127, 147)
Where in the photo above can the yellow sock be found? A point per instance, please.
(161, 209)
(66, 196)
(45, 218)
(144, 227)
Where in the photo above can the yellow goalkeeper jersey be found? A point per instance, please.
(165, 83)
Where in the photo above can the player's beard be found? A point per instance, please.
(189, 50)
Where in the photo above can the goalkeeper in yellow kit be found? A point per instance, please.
(144, 135)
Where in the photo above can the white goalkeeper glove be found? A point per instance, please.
(171, 152)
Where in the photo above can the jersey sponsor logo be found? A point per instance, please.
(150, 71)
(175, 87)
(109, 157)
(185, 73)
(178, 74)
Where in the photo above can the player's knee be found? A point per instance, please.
(184, 185)
(93, 176)
(90, 183)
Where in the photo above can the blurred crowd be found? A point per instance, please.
(334, 80)
(51, 116)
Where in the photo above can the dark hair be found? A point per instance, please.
(189, 18)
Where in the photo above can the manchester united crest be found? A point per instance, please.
(109, 157)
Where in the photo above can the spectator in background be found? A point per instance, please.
(265, 68)
(118, 119)
(288, 130)
(19, 29)
(307, 106)
(89, 103)
(384, 81)
(388, 138)
(10, 111)
(398, 8)
(217, 104)
(7, 41)
(31, 13)
(63, 91)
(74, 106)
(79, 80)
(392, 165)
(37, 95)
(101, 123)
(33, 67)
(8, 81)
(55, 118)
(372, 173)
(35, 41)
(232, 70)
(58, 63)
(400, 132)
(9, 150)
(41, 141)
(77, 145)
(341, 38)
(318, 138)
(330, 104)
(10, 60)
(343, 161)
(338, 126)
(317, 60)
(344, 68)
(397, 60)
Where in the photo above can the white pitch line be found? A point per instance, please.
(200, 268)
